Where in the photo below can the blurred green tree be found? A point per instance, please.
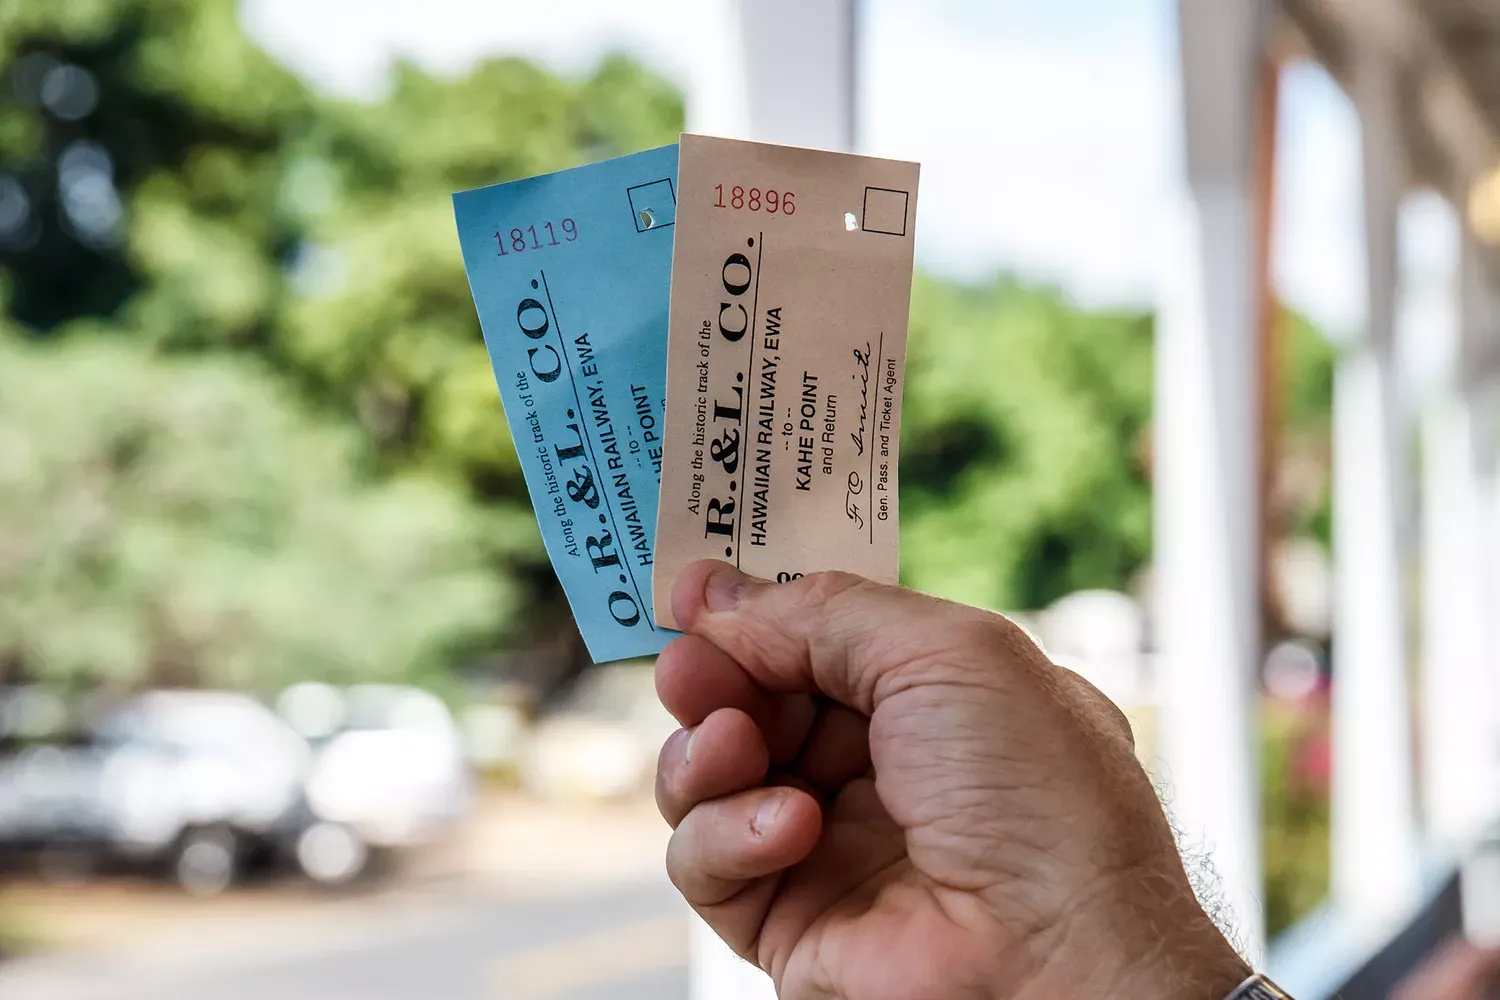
(1295, 810)
(1024, 420)
(183, 521)
(1306, 456)
(1026, 443)
(142, 148)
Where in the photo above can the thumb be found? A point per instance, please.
(841, 635)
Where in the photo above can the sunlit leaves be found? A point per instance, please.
(1020, 473)
(185, 520)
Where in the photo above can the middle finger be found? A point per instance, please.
(724, 754)
(694, 678)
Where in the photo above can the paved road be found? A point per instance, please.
(623, 942)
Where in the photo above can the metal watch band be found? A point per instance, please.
(1258, 987)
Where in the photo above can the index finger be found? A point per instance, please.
(694, 678)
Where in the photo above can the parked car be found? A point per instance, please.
(202, 784)
(388, 773)
(194, 781)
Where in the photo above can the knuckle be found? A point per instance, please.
(680, 870)
(1095, 706)
(828, 586)
(675, 874)
(664, 803)
(1014, 640)
(664, 755)
(671, 797)
(1121, 722)
(980, 643)
(671, 753)
(668, 803)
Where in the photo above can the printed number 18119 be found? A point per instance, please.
(519, 242)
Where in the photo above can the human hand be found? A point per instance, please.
(884, 796)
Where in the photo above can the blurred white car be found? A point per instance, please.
(388, 772)
(602, 743)
(202, 782)
(194, 779)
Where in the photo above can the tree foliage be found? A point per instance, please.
(183, 520)
(1023, 428)
(146, 140)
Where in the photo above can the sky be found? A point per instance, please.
(1048, 130)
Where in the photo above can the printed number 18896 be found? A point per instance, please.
(756, 200)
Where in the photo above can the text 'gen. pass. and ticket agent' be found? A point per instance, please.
(791, 287)
(570, 274)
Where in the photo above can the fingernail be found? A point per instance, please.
(687, 753)
(725, 587)
(765, 816)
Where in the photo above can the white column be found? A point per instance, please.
(798, 88)
(1459, 733)
(1375, 859)
(718, 91)
(1206, 459)
(800, 64)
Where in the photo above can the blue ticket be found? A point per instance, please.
(571, 273)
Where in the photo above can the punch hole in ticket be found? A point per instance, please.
(791, 289)
(570, 276)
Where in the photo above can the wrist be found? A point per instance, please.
(1145, 937)
(1202, 968)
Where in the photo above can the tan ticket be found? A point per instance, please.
(786, 353)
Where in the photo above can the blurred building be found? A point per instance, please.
(1413, 476)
